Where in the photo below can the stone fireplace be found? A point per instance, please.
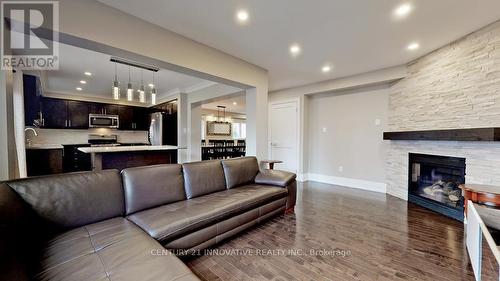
(454, 87)
(433, 182)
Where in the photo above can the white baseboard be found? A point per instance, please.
(348, 182)
(302, 177)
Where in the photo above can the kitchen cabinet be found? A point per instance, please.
(54, 113)
(77, 114)
(141, 118)
(64, 114)
(103, 108)
(72, 114)
(44, 162)
(32, 99)
(126, 114)
(75, 160)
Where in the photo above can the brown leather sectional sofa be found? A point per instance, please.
(115, 226)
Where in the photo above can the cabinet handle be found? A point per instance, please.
(65, 123)
(69, 122)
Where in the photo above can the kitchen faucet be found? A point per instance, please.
(28, 140)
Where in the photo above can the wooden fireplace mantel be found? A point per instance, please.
(471, 134)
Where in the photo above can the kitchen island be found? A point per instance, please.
(121, 157)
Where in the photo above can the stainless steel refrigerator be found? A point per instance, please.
(163, 129)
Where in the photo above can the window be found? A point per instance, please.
(239, 130)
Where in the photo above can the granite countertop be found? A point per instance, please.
(44, 146)
(126, 148)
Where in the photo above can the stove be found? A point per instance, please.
(103, 140)
(105, 145)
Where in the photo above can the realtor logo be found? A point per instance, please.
(30, 38)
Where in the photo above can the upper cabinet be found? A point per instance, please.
(32, 99)
(52, 113)
(141, 118)
(77, 114)
(62, 114)
(126, 115)
(103, 108)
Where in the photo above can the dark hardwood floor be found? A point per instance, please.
(362, 236)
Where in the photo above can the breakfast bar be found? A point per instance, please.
(121, 157)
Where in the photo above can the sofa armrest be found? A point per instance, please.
(282, 179)
(275, 177)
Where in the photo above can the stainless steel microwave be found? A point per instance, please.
(104, 121)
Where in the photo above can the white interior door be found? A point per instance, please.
(284, 135)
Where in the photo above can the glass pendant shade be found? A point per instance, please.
(142, 95)
(116, 90)
(153, 96)
(130, 92)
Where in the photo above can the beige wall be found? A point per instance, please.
(352, 145)
(323, 153)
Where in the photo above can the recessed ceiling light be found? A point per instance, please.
(413, 46)
(78, 88)
(326, 68)
(151, 85)
(295, 49)
(242, 16)
(403, 10)
(87, 73)
(235, 103)
(83, 82)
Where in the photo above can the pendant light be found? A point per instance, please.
(153, 91)
(142, 94)
(130, 90)
(116, 88)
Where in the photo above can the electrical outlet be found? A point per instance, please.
(341, 169)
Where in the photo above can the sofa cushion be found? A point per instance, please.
(72, 200)
(275, 177)
(151, 186)
(114, 249)
(203, 177)
(240, 171)
(169, 221)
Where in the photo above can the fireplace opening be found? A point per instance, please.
(433, 182)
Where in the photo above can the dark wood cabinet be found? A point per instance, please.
(75, 160)
(65, 114)
(72, 114)
(171, 128)
(126, 114)
(32, 99)
(44, 162)
(103, 108)
(111, 109)
(141, 118)
(54, 113)
(77, 114)
(96, 108)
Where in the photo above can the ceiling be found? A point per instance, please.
(239, 107)
(355, 36)
(75, 61)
